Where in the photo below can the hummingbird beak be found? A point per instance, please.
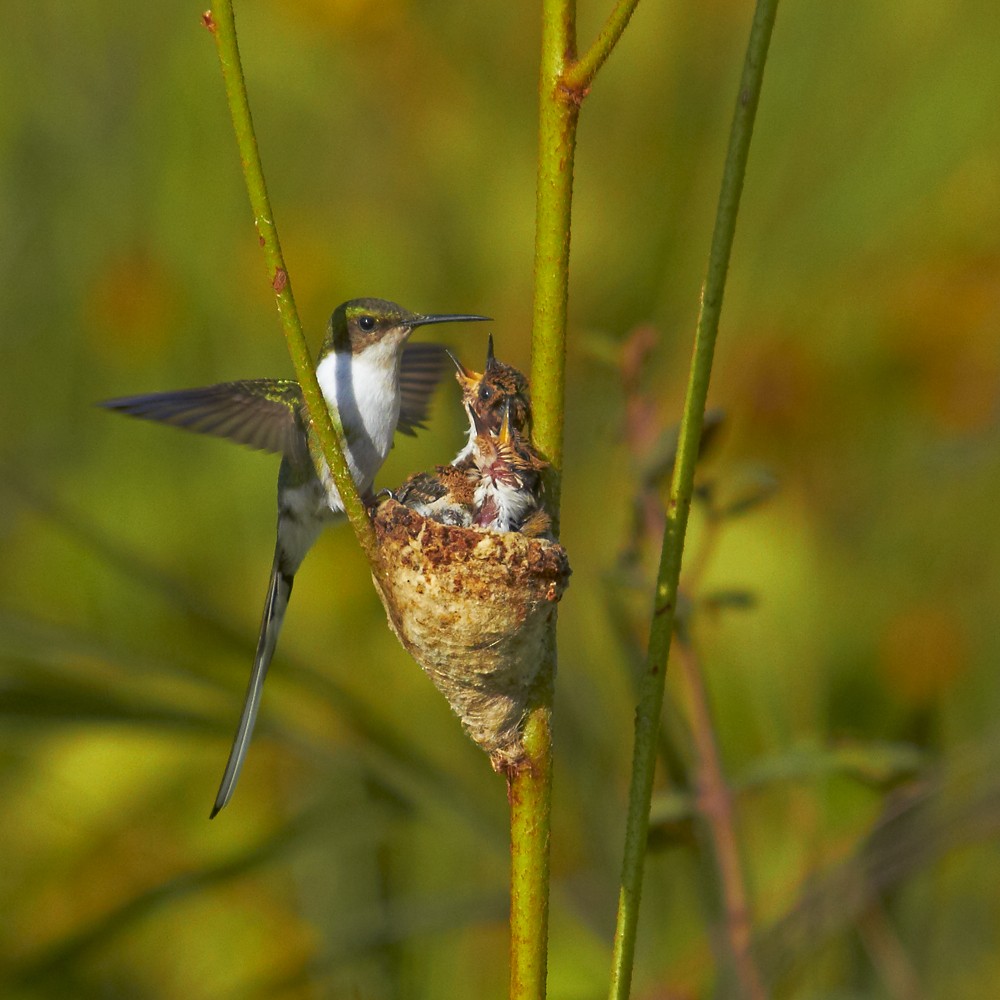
(490, 357)
(446, 318)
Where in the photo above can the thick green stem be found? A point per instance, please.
(559, 99)
(221, 23)
(529, 794)
(531, 786)
(558, 111)
(647, 722)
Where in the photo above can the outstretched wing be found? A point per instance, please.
(261, 413)
(420, 370)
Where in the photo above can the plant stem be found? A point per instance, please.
(558, 112)
(580, 76)
(715, 807)
(530, 790)
(892, 963)
(559, 102)
(529, 793)
(220, 21)
(714, 800)
(647, 720)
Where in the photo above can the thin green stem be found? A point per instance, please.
(221, 22)
(581, 74)
(647, 720)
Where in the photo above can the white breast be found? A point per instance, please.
(365, 390)
(512, 503)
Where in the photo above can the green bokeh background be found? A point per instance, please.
(365, 853)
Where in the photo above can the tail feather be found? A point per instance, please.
(279, 590)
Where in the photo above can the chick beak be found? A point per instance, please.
(504, 437)
(466, 377)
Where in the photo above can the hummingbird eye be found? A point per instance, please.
(485, 392)
(367, 323)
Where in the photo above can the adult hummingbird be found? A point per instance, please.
(378, 384)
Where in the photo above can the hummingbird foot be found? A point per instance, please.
(373, 501)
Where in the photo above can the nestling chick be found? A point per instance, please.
(494, 482)
(509, 487)
(446, 495)
(487, 394)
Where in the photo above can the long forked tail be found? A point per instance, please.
(278, 591)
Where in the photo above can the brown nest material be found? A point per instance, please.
(473, 609)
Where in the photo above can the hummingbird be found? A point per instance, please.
(497, 488)
(446, 495)
(500, 396)
(488, 394)
(378, 384)
(509, 485)
(493, 483)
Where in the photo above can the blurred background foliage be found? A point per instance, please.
(847, 628)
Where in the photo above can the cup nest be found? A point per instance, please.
(473, 609)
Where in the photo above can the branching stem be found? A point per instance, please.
(580, 75)
(560, 96)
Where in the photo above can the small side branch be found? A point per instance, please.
(580, 75)
(715, 806)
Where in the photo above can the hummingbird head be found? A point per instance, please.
(498, 387)
(359, 324)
